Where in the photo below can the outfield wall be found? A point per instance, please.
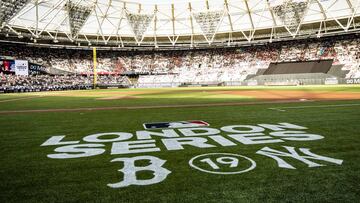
(289, 82)
(275, 80)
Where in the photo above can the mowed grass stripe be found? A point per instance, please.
(164, 97)
(27, 175)
(151, 107)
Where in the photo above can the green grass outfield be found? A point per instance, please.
(28, 175)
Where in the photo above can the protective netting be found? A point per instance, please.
(209, 22)
(291, 13)
(9, 8)
(78, 15)
(139, 23)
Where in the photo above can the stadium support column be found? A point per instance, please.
(155, 26)
(95, 65)
(230, 21)
(192, 26)
(173, 18)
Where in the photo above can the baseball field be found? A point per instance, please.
(211, 144)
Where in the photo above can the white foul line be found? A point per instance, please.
(317, 106)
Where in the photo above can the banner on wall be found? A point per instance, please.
(35, 69)
(21, 67)
(7, 66)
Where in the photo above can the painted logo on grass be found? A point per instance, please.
(176, 124)
(186, 135)
(222, 163)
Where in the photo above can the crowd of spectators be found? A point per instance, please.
(10, 83)
(113, 81)
(220, 65)
(237, 64)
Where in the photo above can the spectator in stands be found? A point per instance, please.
(213, 65)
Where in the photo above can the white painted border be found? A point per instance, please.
(253, 164)
(313, 106)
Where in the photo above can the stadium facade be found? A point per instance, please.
(176, 44)
(168, 24)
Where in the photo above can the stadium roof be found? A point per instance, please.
(157, 22)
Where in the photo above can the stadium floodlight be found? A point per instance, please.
(78, 15)
(139, 24)
(290, 12)
(209, 22)
(9, 8)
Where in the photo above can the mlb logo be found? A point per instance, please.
(176, 124)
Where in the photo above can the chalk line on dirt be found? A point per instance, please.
(282, 109)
